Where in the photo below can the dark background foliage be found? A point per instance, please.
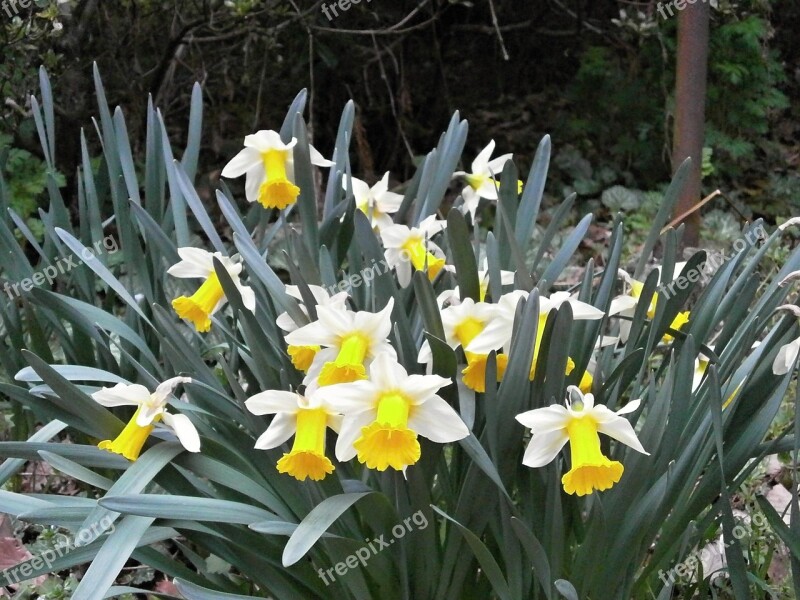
(597, 76)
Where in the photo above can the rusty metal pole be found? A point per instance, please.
(690, 103)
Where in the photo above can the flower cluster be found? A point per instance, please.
(353, 382)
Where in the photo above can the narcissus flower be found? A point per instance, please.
(407, 247)
(579, 424)
(151, 409)
(377, 202)
(307, 418)
(498, 333)
(484, 178)
(384, 416)
(303, 356)
(453, 297)
(209, 298)
(349, 341)
(625, 305)
(268, 164)
(463, 323)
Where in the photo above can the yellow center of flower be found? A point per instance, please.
(467, 330)
(131, 439)
(420, 257)
(199, 307)
(476, 181)
(591, 470)
(276, 191)
(307, 458)
(475, 372)
(349, 363)
(302, 356)
(388, 442)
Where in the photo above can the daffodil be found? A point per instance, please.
(484, 178)
(384, 416)
(497, 334)
(462, 324)
(307, 418)
(625, 305)
(150, 409)
(349, 341)
(377, 202)
(579, 423)
(407, 247)
(787, 355)
(209, 298)
(453, 297)
(303, 356)
(268, 164)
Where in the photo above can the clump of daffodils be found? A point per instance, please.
(353, 383)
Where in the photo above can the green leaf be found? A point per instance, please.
(488, 564)
(316, 523)
(185, 507)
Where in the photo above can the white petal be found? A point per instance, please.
(165, 389)
(350, 432)
(494, 337)
(349, 398)
(122, 394)
(421, 388)
(360, 189)
(267, 139)
(544, 447)
(621, 430)
(488, 190)
(545, 420)
(317, 158)
(480, 165)
(496, 165)
(252, 184)
(584, 311)
(248, 296)
(387, 373)
(313, 334)
(437, 421)
(624, 305)
(281, 429)
(241, 163)
(185, 430)
(630, 407)
(471, 201)
(273, 401)
(786, 357)
(147, 414)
